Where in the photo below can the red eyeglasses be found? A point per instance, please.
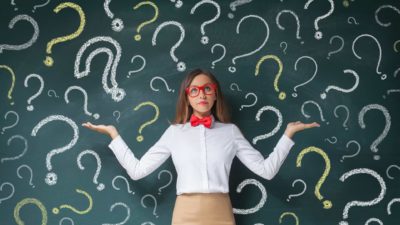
(194, 91)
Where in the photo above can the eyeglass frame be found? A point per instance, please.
(201, 88)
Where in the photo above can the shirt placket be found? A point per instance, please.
(203, 159)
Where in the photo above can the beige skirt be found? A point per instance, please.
(203, 209)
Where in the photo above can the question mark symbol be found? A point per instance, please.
(339, 49)
(155, 203)
(117, 24)
(141, 68)
(50, 92)
(49, 60)
(353, 155)
(140, 137)
(318, 107)
(51, 177)
(284, 48)
(297, 23)
(289, 214)
(30, 173)
(181, 66)
(100, 186)
(360, 203)
(40, 5)
(118, 114)
(385, 112)
(23, 151)
(126, 182)
(347, 114)
(312, 77)
(163, 80)
(233, 85)
(276, 128)
(13, 81)
(81, 212)
(12, 190)
(204, 38)
(255, 100)
(333, 87)
(169, 182)
(26, 201)
(327, 203)
(12, 125)
(96, 116)
(299, 194)
(219, 59)
(30, 107)
(262, 200)
(282, 95)
(138, 37)
(318, 34)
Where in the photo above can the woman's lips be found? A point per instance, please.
(203, 103)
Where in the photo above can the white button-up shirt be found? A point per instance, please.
(202, 157)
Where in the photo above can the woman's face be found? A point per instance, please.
(201, 86)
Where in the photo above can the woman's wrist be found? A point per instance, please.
(113, 134)
(289, 134)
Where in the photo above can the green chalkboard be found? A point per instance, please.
(333, 62)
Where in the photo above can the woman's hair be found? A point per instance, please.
(184, 110)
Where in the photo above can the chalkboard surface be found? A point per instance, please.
(121, 62)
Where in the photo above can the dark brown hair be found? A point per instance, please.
(184, 110)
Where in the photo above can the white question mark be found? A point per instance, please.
(339, 49)
(390, 205)
(331, 141)
(155, 203)
(385, 112)
(52, 91)
(252, 104)
(30, 173)
(96, 116)
(128, 213)
(163, 80)
(232, 69)
(181, 66)
(23, 151)
(382, 7)
(318, 34)
(347, 114)
(100, 186)
(333, 87)
(235, 4)
(169, 182)
(204, 38)
(318, 107)
(262, 200)
(118, 115)
(383, 76)
(51, 177)
(28, 43)
(117, 24)
(352, 20)
(40, 5)
(360, 203)
(299, 194)
(389, 167)
(388, 92)
(178, 3)
(30, 107)
(13, 3)
(140, 69)
(12, 190)
(126, 182)
(284, 49)
(12, 125)
(117, 94)
(373, 220)
(297, 22)
(235, 85)
(276, 128)
(66, 218)
(352, 155)
(220, 58)
(312, 77)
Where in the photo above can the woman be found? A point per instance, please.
(202, 143)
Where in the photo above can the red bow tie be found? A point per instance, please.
(195, 121)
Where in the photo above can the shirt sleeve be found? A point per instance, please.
(252, 158)
(150, 161)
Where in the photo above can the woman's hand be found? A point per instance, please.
(104, 129)
(294, 127)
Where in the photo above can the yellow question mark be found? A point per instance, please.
(282, 95)
(289, 214)
(140, 137)
(327, 204)
(13, 81)
(138, 37)
(30, 201)
(56, 211)
(49, 60)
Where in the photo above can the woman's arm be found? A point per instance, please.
(136, 168)
(255, 161)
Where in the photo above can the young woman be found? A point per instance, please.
(202, 143)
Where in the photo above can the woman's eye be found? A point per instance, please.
(207, 88)
(193, 90)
